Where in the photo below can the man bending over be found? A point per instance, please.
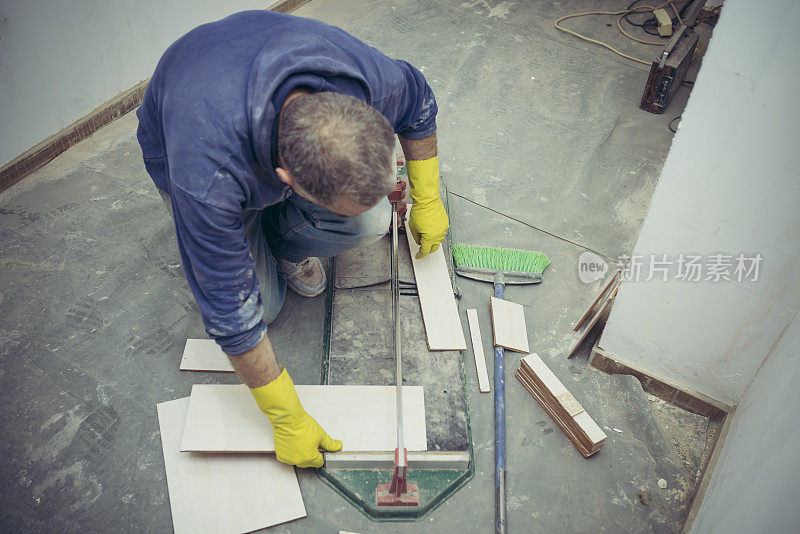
(272, 138)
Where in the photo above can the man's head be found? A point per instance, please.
(336, 151)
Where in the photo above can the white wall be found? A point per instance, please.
(755, 486)
(61, 59)
(731, 184)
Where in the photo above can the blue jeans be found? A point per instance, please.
(295, 229)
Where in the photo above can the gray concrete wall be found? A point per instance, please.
(730, 185)
(755, 486)
(60, 60)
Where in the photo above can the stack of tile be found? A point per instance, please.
(560, 405)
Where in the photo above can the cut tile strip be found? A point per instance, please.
(508, 324)
(225, 418)
(204, 355)
(560, 405)
(439, 310)
(477, 351)
(223, 492)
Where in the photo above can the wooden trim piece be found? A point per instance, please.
(385, 460)
(559, 403)
(597, 300)
(36, 157)
(287, 6)
(225, 418)
(685, 398)
(602, 313)
(541, 374)
(477, 351)
(559, 419)
(223, 492)
(443, 329)
(508, 325)
(204, 355)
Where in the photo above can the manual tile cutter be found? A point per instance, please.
(398, 492)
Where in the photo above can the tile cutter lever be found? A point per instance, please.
(398, 492)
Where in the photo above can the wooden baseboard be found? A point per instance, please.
(705, 473)
(685, 398)
(35, 158)
(720, 415)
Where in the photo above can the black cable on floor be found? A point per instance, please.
(450, 192)
(649, 22)
(652, 22)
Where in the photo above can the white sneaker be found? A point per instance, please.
(306, 277)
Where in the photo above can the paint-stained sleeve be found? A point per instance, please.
(411, 108)
(220, 270)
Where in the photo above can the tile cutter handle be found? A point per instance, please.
(398, 492)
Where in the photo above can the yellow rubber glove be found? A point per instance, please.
(297, 436)
(428, 220)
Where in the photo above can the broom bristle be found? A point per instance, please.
(507, 259)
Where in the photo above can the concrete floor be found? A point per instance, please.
(542, 146)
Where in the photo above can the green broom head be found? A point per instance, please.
(505, 259)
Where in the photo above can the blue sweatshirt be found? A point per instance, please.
(207, 128)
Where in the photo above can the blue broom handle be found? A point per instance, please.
(499, 430)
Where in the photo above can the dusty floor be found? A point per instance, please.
(542, 146)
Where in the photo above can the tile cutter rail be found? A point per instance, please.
(398, 492)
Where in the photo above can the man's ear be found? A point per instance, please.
(284, 176)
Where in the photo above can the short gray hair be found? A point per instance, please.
(334, 145)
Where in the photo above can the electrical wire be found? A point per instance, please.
(645, 25)
(648, 22)
(671, 129)
(529, 225)
(652, 22)
(636, 9)
(680, 20)
(648, 31)
(629, 36)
